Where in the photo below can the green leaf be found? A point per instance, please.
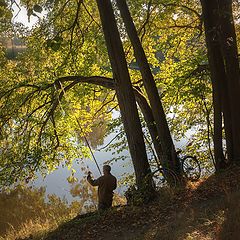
(58, 39)
(55, 46)
(49, 42)
(37, 8)
(29, 13)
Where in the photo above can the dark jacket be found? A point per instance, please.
(106, 184)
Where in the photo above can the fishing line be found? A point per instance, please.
(85, 138)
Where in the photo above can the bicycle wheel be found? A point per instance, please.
(191, 168)
(164, 177)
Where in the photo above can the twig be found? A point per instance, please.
(100, 149)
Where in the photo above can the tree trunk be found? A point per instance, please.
(210, 17)
(149, 119)
(168, 155)
(125, 94)
(227, 37)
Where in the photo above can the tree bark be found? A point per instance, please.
(168, 155)
(218, 77)
(149, 119)
(227, 38)
(125, 94)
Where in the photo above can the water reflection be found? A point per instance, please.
(57, 183)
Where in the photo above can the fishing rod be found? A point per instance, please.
(85, 138)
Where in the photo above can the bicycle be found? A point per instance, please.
(190, 166)
(164, 177)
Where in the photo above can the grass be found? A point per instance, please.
(29, 229)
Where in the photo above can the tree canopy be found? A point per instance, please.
(61, 87)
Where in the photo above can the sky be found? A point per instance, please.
(20, 15)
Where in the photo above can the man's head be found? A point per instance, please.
(106, 169)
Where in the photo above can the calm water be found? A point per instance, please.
(56, 182)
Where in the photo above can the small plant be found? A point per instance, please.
(138, 196)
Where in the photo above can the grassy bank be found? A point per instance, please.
(208, 209)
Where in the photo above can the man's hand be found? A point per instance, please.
(89, 175)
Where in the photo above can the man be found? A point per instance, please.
(106, 184)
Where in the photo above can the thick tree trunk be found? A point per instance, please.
(125, 93)
(168, 155)
(227, 37)
(219, 82)
(214, 56)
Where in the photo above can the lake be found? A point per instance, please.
(57, 183)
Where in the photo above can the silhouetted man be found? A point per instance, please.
(106, 184)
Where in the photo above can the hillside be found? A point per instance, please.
(208, 209)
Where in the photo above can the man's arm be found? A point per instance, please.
(93, 182)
